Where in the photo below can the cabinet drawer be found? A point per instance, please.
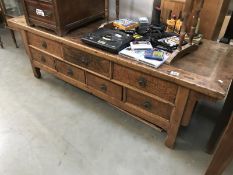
(104, 86)
(70, 71)
(86, 60)
(45, 44)
(43, 58)
(41, 10)
(147, 83)
(149, 104)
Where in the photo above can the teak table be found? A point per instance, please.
(157, 97)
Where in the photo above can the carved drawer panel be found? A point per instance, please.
(86, 60)
(147, 83)
(70, 71)
(43, 58)
(149, 104)
(45, 44)
(41, 10)
(104, 86)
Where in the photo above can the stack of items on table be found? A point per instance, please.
(136, 39)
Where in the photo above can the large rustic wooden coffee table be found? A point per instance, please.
(154, 96)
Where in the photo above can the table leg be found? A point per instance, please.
(1, 44)
(176, 117)
(222, 121)
(13, 37)
(190, 107)
(36, 72)
(224, 152)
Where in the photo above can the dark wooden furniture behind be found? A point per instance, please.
(154, 96)
(224, 152)
(222, 121)
(62, 16)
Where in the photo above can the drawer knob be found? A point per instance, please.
(44, 45)
(84, 61)
(103, 88)
(43, 60)
(147, 105)
(142, 82)
(70, 72)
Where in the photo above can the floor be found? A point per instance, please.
(48, 127)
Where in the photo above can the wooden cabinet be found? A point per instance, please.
(153, 96)
(62, 16)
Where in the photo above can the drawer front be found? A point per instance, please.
(43, 58)
(86, 60)
(104, 86)
(147, 83)
(44, 44)
(70, 71)
(41, 10)
(149, 104)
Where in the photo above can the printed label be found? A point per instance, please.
(40, 12)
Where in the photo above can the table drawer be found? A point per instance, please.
(70, 71)
(86, 60)
(104, 86)
(45, 44)
(147, 83)
(43, 58)
(41, 10)
(148, 104)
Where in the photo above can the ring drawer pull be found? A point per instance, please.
(44, 45)
(43, 60)
(147, 105)
(103, 88)
(142, 82)
(84, 61)
(70, 72)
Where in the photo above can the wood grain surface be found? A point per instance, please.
(208, 70)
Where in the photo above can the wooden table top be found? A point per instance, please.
(209, 70)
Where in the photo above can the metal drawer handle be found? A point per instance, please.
(142, 82)
(43, 60)
(147, 105)
(84, 61)
(70, 72)
(44, 45)
(103, 88)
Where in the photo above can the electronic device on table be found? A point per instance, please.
(108, 39)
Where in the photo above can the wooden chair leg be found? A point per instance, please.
(224, 152)
(222, 122)
(13, 37)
